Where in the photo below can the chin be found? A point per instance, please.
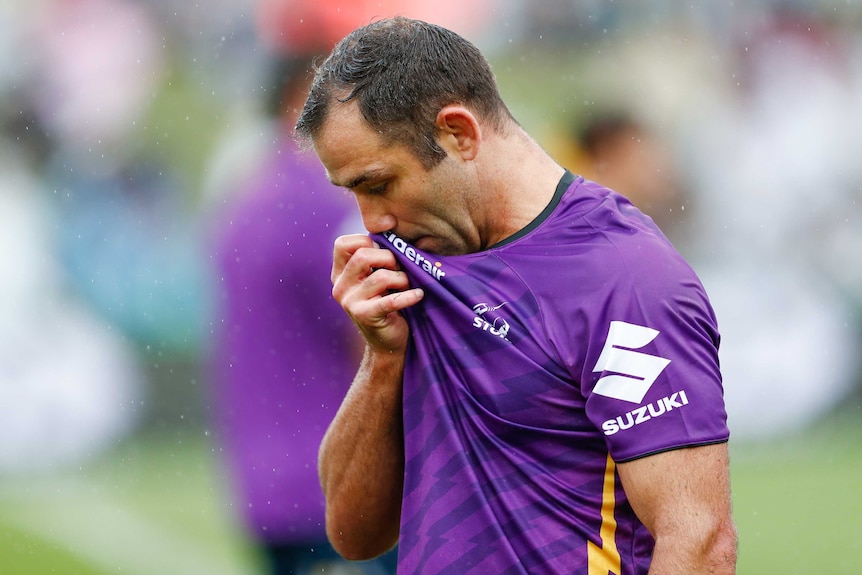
(438, 247)
(430, 244)
(425, 243)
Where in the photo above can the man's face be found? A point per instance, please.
(432, 209)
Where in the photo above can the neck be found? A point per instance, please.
(520, 179)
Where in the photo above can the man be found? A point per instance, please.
(284, 350)
(540, 390)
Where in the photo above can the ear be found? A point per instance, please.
(459, 131)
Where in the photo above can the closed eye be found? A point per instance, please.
(378, 189)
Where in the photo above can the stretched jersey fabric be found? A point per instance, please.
(534, 367)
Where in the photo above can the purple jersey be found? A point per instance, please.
(536, 365)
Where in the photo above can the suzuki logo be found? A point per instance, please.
(633, 372)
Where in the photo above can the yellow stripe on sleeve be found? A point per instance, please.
(605, 560)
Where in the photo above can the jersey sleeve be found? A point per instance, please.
(651, 373)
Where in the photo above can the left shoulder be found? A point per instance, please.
(595, 237)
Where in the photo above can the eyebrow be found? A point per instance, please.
(358, 180)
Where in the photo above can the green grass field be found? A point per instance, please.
(798, 503)
(153, 506)
(158, 506)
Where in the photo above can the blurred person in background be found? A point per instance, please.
(284, 351)
(621, 152)
(71, 385)
(128, 239)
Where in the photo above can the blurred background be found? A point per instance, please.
(126, 125)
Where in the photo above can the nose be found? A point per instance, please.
(376, 215)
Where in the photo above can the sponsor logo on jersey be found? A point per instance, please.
(630, 373)
(488, 320)
(645, 413)
(433, 269)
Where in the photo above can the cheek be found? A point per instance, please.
(450, 184)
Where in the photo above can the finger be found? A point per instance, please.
(401, 300)
(362, 282)
(343, 250)
(378, 314)
(363, 263)
(383, 280)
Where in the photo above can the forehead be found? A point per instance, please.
(343, 122)
(349, 148)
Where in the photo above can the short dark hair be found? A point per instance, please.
(402, 72)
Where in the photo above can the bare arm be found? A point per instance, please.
(361, 461)
(683, 498)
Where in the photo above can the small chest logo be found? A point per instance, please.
(488, 319)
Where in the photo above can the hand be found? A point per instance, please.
(369, 285)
